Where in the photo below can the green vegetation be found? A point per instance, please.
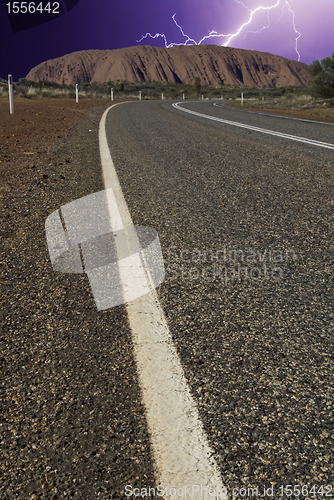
(197, 84)
(272, 97)
(130, 90)
(322, 83)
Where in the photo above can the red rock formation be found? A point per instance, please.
(212, 63)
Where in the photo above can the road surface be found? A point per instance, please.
(245, 219)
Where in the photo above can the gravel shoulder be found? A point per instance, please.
(72, 420)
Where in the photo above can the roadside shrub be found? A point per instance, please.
(21, 90)
(32, 91)
(3, 91)
(51, 84)
(322, 83)
(197, 84)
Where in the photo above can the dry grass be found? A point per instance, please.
(296, 102)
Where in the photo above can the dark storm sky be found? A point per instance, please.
(109, 24)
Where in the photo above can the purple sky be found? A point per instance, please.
(109, 24)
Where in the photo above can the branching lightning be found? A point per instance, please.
(214, 34)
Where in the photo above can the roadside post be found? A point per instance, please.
(76, 92)
(112, 93)
(162, 96)
(202, 97)
(140, 95)
(11, 94)
(183, 96)
(242, 98)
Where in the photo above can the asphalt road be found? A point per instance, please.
(245, 221)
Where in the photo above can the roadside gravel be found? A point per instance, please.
(72, 420)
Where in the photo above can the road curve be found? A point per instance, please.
(240, 124)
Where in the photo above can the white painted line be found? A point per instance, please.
(181, 452)
(257, 129)
(271, 114)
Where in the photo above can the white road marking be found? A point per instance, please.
(272, 115)
(181, 452)
(257, 129)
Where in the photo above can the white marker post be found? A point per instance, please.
(242, 98)
(162, 96)
(221, 97)
(140, 95)
(183, 96)
(202, 97)
(11, 94)
(76, 92)
(112, 93)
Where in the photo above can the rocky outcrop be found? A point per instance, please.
(212, 63)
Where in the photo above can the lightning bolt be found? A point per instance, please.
(296, 31)
(168, 45)
(231, 36)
